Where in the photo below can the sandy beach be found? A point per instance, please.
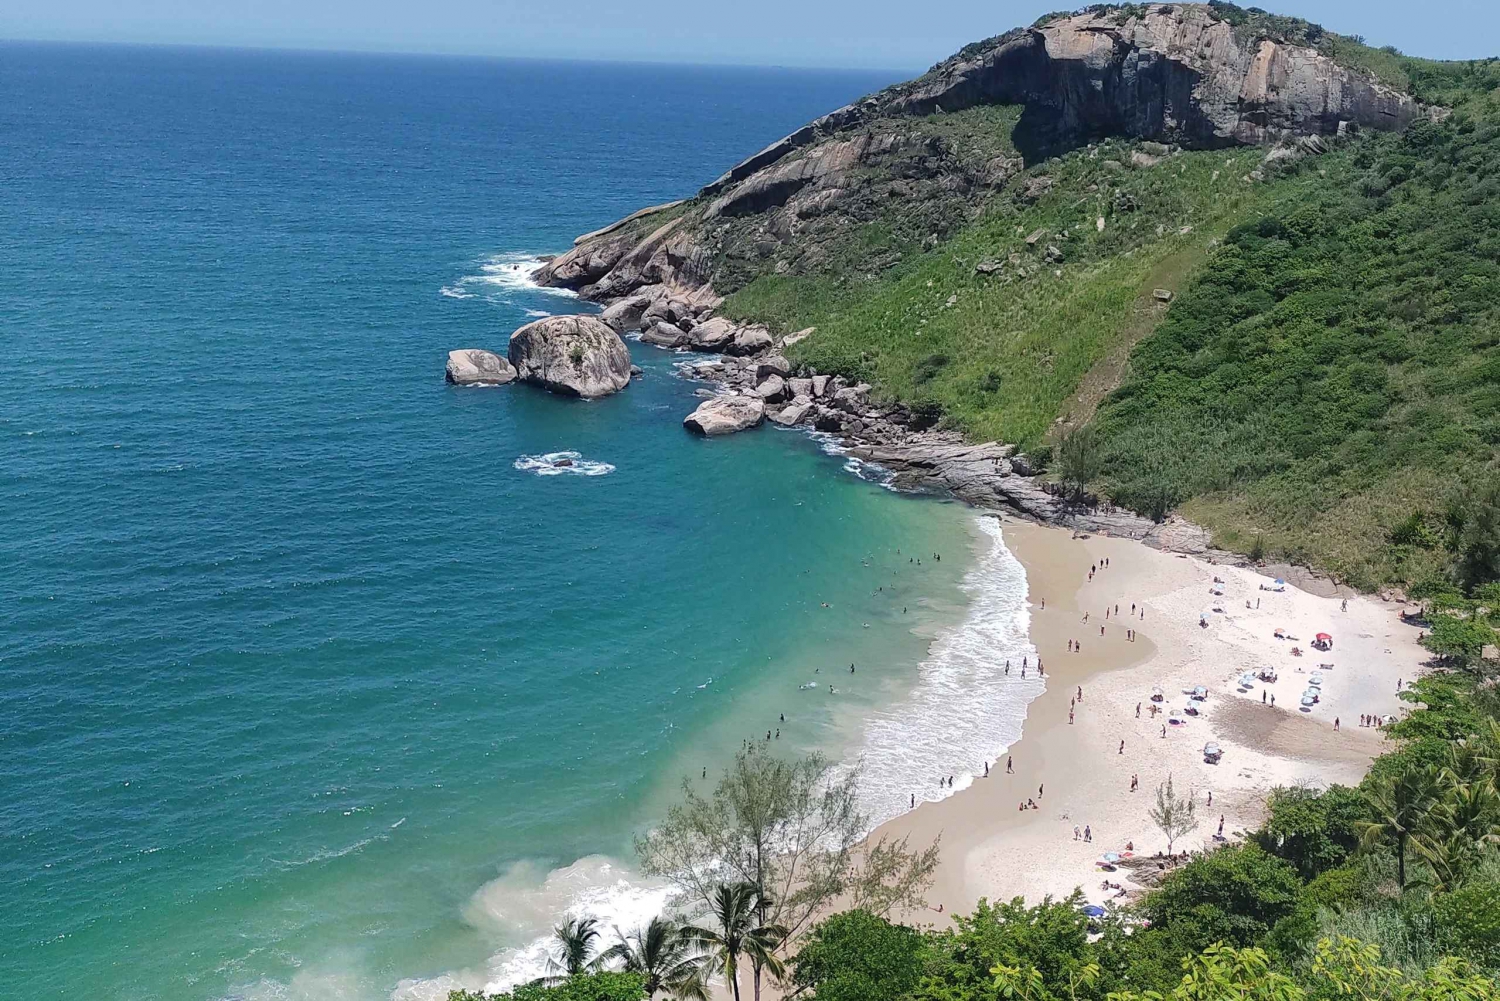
(1075, 770)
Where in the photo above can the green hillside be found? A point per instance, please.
(1325, 385)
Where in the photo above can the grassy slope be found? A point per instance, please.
(1005, 359)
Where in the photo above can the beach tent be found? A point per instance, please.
(1212, 752)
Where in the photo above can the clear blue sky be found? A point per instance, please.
(883, 34)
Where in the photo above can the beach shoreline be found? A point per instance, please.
(1075, 770)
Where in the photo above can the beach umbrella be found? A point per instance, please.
(1280, 581)
(1212, 748)
(1156, 693)
(1111, 856)
(1200, 692)
(1324, 638)
(1093, 910)
(1308, 700)
(1316, 679)
(1247, 680)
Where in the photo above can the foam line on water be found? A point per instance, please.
(965, 710)
(500, 277)
(524, 904)
(562, 463)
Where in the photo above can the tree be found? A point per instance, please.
(859, 956)
(1314, 831)
(1398, 805)
(1081, 459)
(575, 940)
(1173, 815)
(605, 986)
(1237, 894)
(737, 933)
(663, 956)
(793, 831)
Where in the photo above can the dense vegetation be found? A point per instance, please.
(1387, 891)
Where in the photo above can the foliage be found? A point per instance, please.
(1334, 365)
(664, 956)
(1079, 459)
(609, 986)
(1236, 894)
(789, 829)
(1173, 815)
(1313, 831)
(738, 933)
(575, 939)
(859, 956)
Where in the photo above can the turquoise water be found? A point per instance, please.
(312, 688)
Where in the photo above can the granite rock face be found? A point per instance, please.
(475, 367)
(1174, 75)
(572, 355)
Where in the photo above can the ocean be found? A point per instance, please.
(318, 680)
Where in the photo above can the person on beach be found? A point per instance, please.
(1135, 782)
(1080, 693)
(1262, 696)
(986, 769)
(1273, 700)
(1122, 747)
(913, 801)
(1101, 630)
(1221, 826)
(1210, 797)
(705, 772)
(1070, 717)
(1164, 732)
(1335, 724)
(1088, 833)
(1137, 710)
(1008, 769)
(1077, 833)
(1039, 792)
(1023, 672)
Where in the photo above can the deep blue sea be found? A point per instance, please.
(311, 686)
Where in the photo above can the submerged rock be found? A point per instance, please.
(476, 367)
(573, 355)
(725, 415)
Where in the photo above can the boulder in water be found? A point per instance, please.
(572, 355)
(476, 367)
(725, 415)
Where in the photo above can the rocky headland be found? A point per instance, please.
(1168, 77)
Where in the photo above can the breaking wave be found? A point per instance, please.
(966, 710)
(500, 277)
(562, 463)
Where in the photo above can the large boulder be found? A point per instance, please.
(474, 367)
(750, 340)
(574, 355)
(793, 413)
(773, 365)
(725, 415)
(771, 388)
(663, 335)
(713, 334)
(625, 314)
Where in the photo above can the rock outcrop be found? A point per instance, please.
(573, 355)
(725, 415)
(476, 367)
(1174, 75)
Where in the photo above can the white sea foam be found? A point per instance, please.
(548, 465)
(965, 710)
(500, 277)
(525, 903)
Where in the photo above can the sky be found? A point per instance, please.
(868, 34)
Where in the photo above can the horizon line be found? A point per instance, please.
(430, 54)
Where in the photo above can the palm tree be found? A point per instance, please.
(735, 909)
(1399, 805)
(664, 956)
(575, 940)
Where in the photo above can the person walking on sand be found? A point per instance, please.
(1164, 732)
(1039, 792)
(1122, 747)
(1070, 717)
(1008, 769)
(1135, 782)
(1080, 693)
(1088, 833)
(1077, 833)
(913, 801)
(1210, 797)
(986, 769)
(1262, 696)
(1335, 724)
(1137, 710)
(1221, 826)
(1273, 700)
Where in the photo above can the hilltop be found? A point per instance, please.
(1220, 263)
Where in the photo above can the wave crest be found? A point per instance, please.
(501, 277)
(560, 463)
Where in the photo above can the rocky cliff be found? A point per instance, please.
(1182, 75)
